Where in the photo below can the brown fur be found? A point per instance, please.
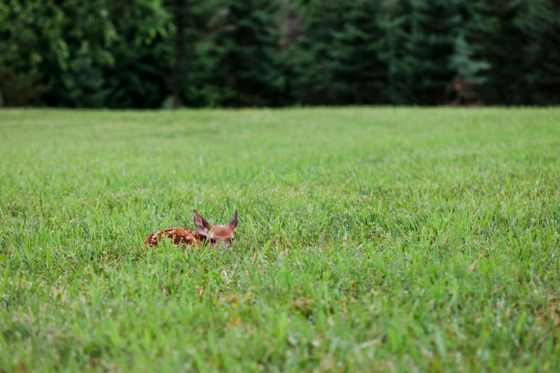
(207, 234)
(179, 236)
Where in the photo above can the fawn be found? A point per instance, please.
(215, 235)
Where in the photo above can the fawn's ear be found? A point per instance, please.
(201, 224)
(233, 222)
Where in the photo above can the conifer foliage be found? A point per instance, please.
(499, 38)
(193, 53)
(358, 70)
(543, 28)
(245, 59)
(428, 30)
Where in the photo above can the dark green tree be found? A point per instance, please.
(542, 27)
(58, 52)
(133, 76)
(498, 37)
(421, 35)
(467, 80)
(80, 84)
(465, 67)
(336, 61)
(36, 37)
(309, 72)
(73, 51)
(145, 53)
(140, 73)
(191, 26)
(359, 75)
(246, 62)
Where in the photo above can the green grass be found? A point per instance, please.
(357, 230)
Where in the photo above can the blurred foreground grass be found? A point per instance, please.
(357, 231)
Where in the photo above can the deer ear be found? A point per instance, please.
(201, 224)
(233, 222)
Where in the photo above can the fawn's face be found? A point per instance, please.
(221, 235)
(218, 235)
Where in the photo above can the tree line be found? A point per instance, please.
(237, 53)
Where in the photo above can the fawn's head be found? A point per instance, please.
(217, 235)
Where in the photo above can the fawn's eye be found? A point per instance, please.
(213, 240)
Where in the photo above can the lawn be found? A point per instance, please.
(369, 239)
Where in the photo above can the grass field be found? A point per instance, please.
(356, 250)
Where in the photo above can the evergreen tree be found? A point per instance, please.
(143, 54)
(247, 64)
(396, 21)
(466, 68)
(498, 37)
(422, 35)
(359, 76)
(190, 22)
(80, 84)
(292, 58)
(36, 39)
(77, 50)
(542, 27)
(310, 77)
